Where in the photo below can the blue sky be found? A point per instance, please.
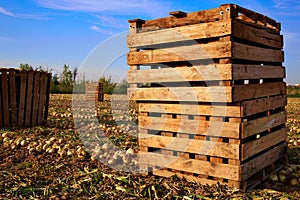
(84, 33)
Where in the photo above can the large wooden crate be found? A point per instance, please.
(94, 92)
(24, 97)
(211, 97)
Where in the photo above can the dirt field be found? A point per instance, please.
(51, 162)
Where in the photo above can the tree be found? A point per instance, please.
(108, 85)
(25, 66)
(66, 80)
(121, 88)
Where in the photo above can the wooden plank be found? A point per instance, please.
(259, 163)
(182, 53)
(47, 96)
(255, 106)
(253, 127)
(222, 129)
(22, 97)
(258, 35)
(29, 98)
(13, 97)
(246, 72)
(252, 53)
(191, 18)
(255, 146)
(5, 99)
(196, 94)
(178, 34)
(35, 105)
(42, 98)
(203, 147)
(1, 110)
(191, 165)
(195, 73)
(252, 91)
(192, 109)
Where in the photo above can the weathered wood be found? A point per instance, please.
(202, 94)
(260, 162)
(211, 148)
(5, 100)
(178, 14)
(1, 109)
(194, 73)
(29, 98)
(253, 91)
(259, 125)
(42, 98)
(246, 72)
(35, 103)
(260, 36)
(22, 98)
(13, 98)
(255, 146)
(216, 14)
(47, 96)
(192, 109)
(252, 53)
(191, 165)
(182, 53)
(222, 129)
(255, 106)
(178, 34)
(206, 73)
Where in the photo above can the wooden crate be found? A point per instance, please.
(211, 97)
(24, 97)
(94, 92)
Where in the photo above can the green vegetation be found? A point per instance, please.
(66, 82)
(293, 91)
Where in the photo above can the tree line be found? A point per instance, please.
(66, 82)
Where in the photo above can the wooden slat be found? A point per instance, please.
(262, 124)
(1, 109)
(35, 105)
(253, 147)
(47, 96)
(201, 94)
(42, 98)
(203, 147)
(259, 163)
(255, 106)
(22, 99)
(182, 53)
(5, 99)
(246, 72)
(222, 129)
(252, 53)
(257, 35)
(13, 97)
(191, 18)
(183, 33)
(195, 73)
(191, 165)
(29, 98)
(192, 109)
(252, 91)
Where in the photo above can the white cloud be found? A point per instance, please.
(100, 30)
(118, 7)
(6, 12)
(283, 4)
